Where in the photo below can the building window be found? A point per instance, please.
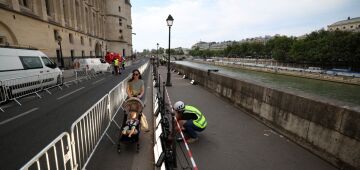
(91, 53)
(351, 26)
(120, 31)
(119, 8)
(82, 53)
(56, 35)
(90, 41)
(344, 27)
(82, 40)
(66, 15)
(2, 40)
(120, 22)
(4, 2)
(72, 54)
(47, 5)
(24, 3)
(71, 38)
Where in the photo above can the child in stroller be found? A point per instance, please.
(130, 130)
(131, 125)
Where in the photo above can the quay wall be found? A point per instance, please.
(328, 130)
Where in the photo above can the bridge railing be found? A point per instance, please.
(57, 155)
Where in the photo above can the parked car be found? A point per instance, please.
(94, 65)
(24, 70)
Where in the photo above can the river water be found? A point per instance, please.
(344, 94)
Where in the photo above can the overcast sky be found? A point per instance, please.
(222, 20)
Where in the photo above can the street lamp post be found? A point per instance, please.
(169, 21)
(157, 54)
(59, 39)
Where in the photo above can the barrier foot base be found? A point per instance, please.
(59, 87)
(47, 91)
(38, 95)
(66, 85)
(110, 138)
(116, 124)
(17, 102)
(2, 109)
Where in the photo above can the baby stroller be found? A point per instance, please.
(132, 104)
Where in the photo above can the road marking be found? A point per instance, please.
(98, 81)
(70, 93)
(22, 114)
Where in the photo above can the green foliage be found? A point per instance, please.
(319, 47)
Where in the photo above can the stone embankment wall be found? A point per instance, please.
(330, 131)
(318, 76)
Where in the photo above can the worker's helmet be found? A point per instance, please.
(179, 106)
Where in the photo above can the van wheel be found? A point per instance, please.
(60, 80)
(9, 92)
(2, 93)
(92, 71)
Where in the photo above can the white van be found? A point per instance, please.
(94, 65)
(23, 70)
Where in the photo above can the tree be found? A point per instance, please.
(280, 47)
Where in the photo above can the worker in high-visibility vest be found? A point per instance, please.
(116, 66)
(191, 120)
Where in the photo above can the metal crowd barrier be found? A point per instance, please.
(82, 74)
(90, 128)
(23, 86)
(87, 131)
(3, 95)
(57, 155)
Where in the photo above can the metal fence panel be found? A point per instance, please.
(23, 86)
(57, 155)
(87, 131)
(19, 87)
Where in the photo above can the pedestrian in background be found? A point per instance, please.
(123, 64)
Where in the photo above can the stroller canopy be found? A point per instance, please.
(133, 104)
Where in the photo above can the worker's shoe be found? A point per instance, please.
(179, 139)
(188, 140)
(191, 140)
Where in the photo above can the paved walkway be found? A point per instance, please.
(235, 140)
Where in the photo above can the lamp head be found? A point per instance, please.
(170, 20)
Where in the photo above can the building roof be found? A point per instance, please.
(347, 21)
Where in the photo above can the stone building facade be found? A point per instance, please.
(85, 27)
(351, 24)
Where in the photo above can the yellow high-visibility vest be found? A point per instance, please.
(200, 121)
(116, 62)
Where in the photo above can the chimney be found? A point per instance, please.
(348, 18)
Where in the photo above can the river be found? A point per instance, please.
(345, 94)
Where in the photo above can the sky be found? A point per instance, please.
(224, 20)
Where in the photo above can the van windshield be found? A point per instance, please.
(47, 62)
